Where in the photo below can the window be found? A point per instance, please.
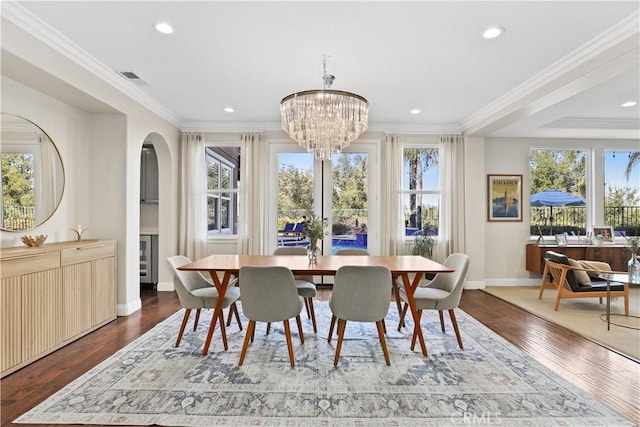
(223, 174)
(421, 190)
(18, 191)
(622, 191)
(561, 175)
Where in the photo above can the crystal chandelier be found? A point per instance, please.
(324, 121)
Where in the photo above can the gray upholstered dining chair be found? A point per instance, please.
(269, 294)
(305, 284)
(442, 293)
(347, 252)
(361, 294)
(394, 289)
(196, 292)
(352, 251)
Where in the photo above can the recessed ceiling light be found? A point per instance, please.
(163, 27)
(229, 110)
(493, 32)
(415, 111)
(629, 104)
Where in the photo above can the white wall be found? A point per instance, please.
(67, 127)
(504, 242)
(99, 131)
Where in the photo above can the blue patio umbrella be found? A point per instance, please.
(556, 198)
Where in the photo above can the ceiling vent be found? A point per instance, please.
(132, 77)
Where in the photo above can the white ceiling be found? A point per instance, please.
(562, 69)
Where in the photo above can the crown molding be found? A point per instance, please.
(436, 129)
(617, 40)
(593, 123)
(43, 32)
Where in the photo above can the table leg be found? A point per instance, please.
(221, 287)
(410, 289)
(608, 305)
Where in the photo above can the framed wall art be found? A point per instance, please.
(504, 197)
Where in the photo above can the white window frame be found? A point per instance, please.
(220, 193)
(406, 191)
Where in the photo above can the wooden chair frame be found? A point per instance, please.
(558, 272)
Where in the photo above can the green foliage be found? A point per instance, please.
(560, 170)
(419, 159)
(634, 159)
(17, 180)
(314, 228)
(350, 183)
(621, 196)
(423, 245)
(295, 189)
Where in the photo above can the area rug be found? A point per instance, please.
(584, 316)
(489, 382)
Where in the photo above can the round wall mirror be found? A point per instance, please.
(32, 174)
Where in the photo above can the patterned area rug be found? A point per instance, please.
(489, 382)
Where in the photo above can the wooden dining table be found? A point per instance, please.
(222, 268)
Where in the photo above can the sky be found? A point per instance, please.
(614, 167)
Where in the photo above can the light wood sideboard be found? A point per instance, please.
(614, 255)
(52, 295)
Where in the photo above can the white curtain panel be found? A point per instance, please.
(192, 217)
(452, 211)
(392, 233)
(252, 197)
(48, 194)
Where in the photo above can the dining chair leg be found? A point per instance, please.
(313, 315)
(384, 326)
(268, 328)
(287, 334)
(415, 330)
(187, 312)
(195, 323)
(402, 316)
(247, 337)
(306, 306)
(383, 342)
(333, 324)
(233, 309)
(299, 322)
(223, 331)
(455, 328)
(396, 296)
(341, 327)
(441, 314)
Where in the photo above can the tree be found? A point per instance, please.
(17, 180)
(621, 196)
(419, 159)
(560, 170)
(634, 159)
(295, 189)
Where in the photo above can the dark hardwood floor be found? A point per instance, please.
(609, 376)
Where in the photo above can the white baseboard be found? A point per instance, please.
(165, 287)
(474, 284)
(129, 308)
(512, 282)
